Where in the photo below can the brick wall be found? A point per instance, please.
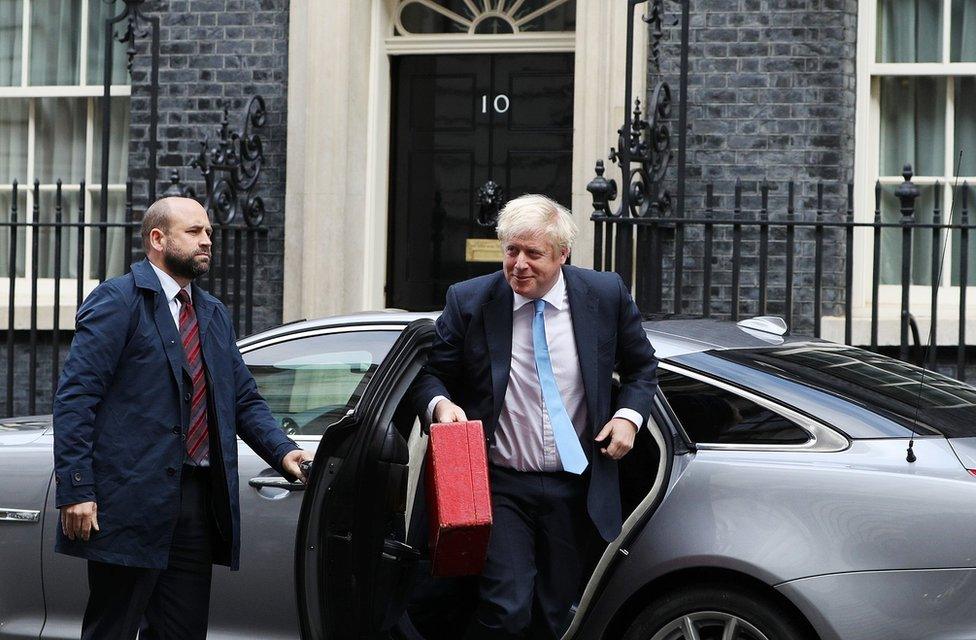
(214, 51)
(771, 97)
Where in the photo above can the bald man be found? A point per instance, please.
(149, 405)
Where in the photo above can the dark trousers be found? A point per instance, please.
(539, 547)
(161, 604)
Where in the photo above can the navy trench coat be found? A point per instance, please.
(121, 413)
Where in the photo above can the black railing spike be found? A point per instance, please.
(907, 193)
(877, 201)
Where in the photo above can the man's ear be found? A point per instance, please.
(156, 238)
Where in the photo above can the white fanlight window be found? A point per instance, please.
(921, 67)
(51, 67)
(483, 17)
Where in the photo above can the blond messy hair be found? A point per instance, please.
(535, 215)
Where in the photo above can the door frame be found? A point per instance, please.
(340, 552)
(339, 126)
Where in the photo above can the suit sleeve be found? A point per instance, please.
(256, 425)
(445, 360)
(101, 327)
(636, 362)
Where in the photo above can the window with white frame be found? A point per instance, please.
(51, 74)
(922, 75)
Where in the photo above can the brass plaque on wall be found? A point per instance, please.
(482, 250)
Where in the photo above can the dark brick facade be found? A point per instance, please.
(771, 98)
(22, 371)
(212, 51)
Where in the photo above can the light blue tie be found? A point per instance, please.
(567, 442)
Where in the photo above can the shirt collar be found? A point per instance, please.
(170, 287)
(556, 296)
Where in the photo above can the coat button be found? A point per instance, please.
(186, 396)
(170, 471)
(77, 477)
(177, 431)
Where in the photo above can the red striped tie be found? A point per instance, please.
(197, 442)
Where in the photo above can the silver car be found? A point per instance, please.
(771, 497)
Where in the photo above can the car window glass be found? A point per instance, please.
(710, 414)
(311, 382)
(926, 401)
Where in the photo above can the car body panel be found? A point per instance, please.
(25, 474)
(65, 577)
(935, 604)
(23, 430)
(965, 449)
(237, 607)
(783, 516)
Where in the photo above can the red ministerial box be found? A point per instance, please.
(458, 498)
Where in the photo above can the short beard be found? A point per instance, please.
(185, 267)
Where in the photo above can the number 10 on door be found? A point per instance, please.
(500, 103)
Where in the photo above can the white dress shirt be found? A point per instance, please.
(170, 289)
(523, 437)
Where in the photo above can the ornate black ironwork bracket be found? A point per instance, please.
(643, 150)
(240, 157)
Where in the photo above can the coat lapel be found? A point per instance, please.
(498, 334)
(583, 309)
(146, 279)
(204, 307)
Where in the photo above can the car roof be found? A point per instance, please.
(670, 337)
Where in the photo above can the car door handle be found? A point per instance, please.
(19, 515)
(275, 482)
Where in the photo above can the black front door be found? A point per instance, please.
(470, 133)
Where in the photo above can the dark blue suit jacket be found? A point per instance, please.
(120, 410)
(471, 357)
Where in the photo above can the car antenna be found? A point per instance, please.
(910, 457)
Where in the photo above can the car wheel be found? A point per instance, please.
(714, 613)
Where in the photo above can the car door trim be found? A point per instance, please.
(822, 437)
(321, 331)
(24, 516)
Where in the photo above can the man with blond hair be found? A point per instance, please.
(530, 351)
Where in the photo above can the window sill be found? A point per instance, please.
(889, 327)
(45, 304)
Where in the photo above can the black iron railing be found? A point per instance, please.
(65, 283)
(723, 261)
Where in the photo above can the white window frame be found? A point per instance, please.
(25, 189)
(867, 173)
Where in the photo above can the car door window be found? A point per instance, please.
(711, 414)
(310, 382)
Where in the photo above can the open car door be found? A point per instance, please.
(352, 567)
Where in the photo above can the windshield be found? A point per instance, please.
(893, 388)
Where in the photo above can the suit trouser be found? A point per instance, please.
(540, 541)
(162, 604)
